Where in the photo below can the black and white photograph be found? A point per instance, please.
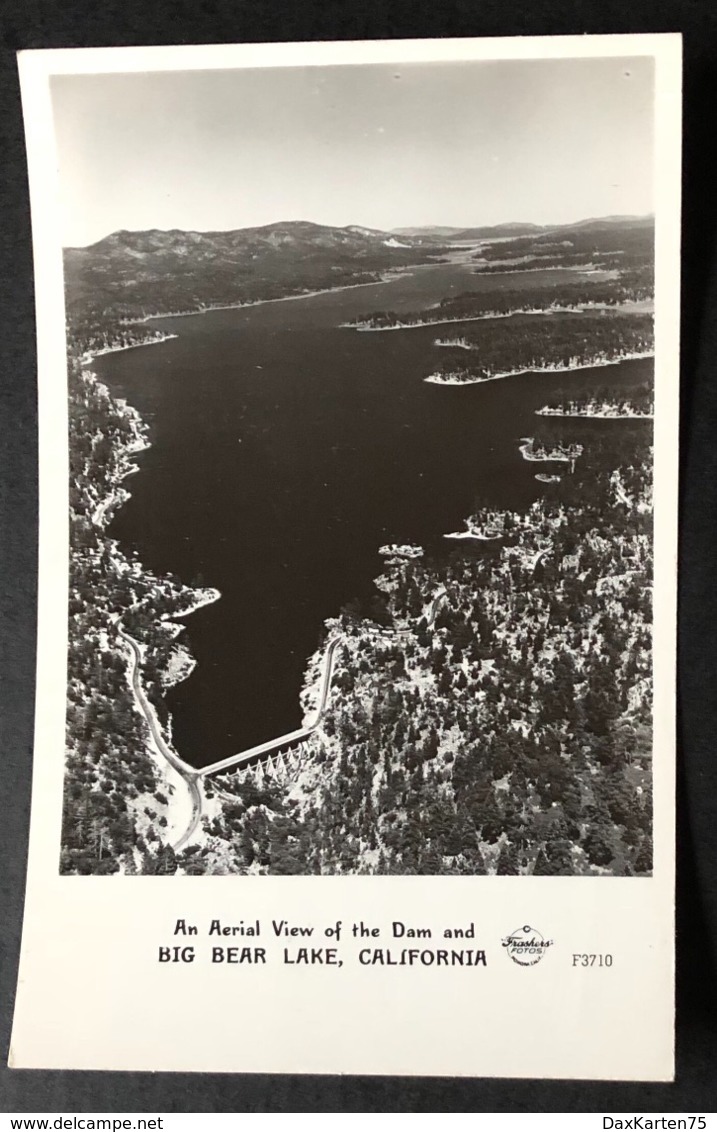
(360, 409)
(357, 417)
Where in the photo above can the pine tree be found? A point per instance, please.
(508, 864)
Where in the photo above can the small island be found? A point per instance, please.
(537, 452)
(394, 550)
(603, 410)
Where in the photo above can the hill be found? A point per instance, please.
(517, 229)
(113, 286)
(239, 243)
(431, 232)
(129, 276)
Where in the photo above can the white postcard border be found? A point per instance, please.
(90, 994)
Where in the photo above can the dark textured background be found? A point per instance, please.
(84, 23)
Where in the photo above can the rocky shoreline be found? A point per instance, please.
(113, 592)
(458, 377)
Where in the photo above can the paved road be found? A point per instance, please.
(292, 737)
(438, 597)
(191, 776)
(188, 773)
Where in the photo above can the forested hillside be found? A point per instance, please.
(113, 286)
(117, 792)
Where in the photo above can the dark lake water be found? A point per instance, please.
(285, 450)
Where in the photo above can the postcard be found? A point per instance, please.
(358, 405)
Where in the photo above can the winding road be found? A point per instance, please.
(188, 773)
(191, 776)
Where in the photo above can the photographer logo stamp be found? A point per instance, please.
(526, 946)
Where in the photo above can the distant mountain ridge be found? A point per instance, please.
(282, 234)
(288, 233)
(519, 228)
(130, 276)
(444, 233)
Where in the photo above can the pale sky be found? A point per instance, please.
(465, 144)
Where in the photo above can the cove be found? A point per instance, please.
(286, 449)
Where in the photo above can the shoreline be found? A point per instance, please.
(546, 412)
(198, 597)
(205, 596)
(278, 299)
(118, 495)
(528, 453)
(388, 277)
(473, 535)
(582, 269)
(439, 379)
(88, 357)
(401, 550)
(581, 308)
